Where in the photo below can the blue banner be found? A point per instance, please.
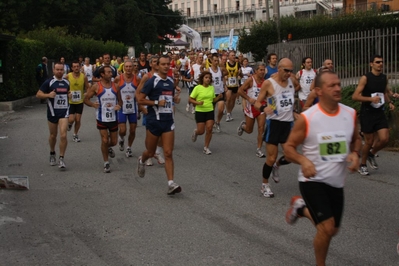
(222, 43)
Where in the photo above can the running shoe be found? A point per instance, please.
(372, 162)
(240, 130)
(259, 153)
(61, 163)
(159, 158)
(129, 152)
(238, 101)
(75, 138)
(111, 152)
(207, 151)
(187, 108)
(174, 188)
(217, 127)
(121, 144)
(292, 214)
(275, 174)
(107, 168)
(192, 109)
(363, 170)
(53, 160)
(140, 167)
(266, 191)
(229, 117)
(194, 136)
(69, 127)
(149, 162)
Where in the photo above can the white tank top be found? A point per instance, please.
(217, 80)
(327, 143)
(88, 71)
(253, 92)
(196, 69)
(245, 72)
(282, 102)
(305, 81)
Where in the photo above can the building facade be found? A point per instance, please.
(224, 15)
(376, 5)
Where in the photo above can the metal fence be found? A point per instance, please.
(349, 52)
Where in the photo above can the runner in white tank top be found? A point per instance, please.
(329, 134)
(279, 91)
(218, 75)
(249, 91)
(87, 69)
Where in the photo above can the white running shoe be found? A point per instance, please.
(111, 152)
(159, 158)
(292, 214)
(259, 153)
(173, 189)
(75, 138)
(188, 108)
(266, 191)
(129, 152)
(121, 143)
(192, 109)
(53, 160)
(275, 174)
(194, 136)
(107, 168)
(149, 162)
(217, 127)
(240, 130)
(140, 168)
(207, 151)
(229, 117)
(61, 164)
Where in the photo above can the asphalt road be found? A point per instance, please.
(83, 216)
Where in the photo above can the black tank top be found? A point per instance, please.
(374, 84)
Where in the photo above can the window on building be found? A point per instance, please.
(176, 8)
(237, 5)
(215, 8)
(188, 12)
(260, 2)
(182, 7)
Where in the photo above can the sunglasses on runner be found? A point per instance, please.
(288, 70)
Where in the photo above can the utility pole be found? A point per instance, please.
(276, 17)
(267, 11)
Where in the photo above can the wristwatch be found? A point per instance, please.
(156, 102)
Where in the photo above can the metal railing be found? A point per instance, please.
(349, 52)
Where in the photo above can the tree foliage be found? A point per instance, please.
(132, 22)
(264, 33)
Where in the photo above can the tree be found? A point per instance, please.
(133, 22)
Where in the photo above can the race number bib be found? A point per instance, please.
(108, 112)
(381, 102)
(232, 81)
(285, 102)
(167, 109)
(332, 146)
(61, 101)
(128, 107)
(76, 96)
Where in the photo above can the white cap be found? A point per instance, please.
(213, 51)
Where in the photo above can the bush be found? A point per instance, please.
(58, 43)
(22, 57)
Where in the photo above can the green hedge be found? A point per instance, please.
(22, 57)
(58, 43)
